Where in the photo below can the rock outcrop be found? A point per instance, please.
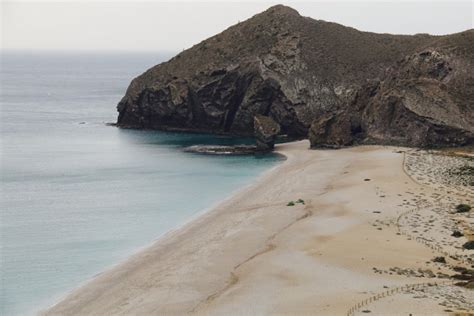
(222, 150)
(427, 99)
(333, 130)
(266, 131)
(348, 86)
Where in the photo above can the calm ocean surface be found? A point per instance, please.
(78, 196)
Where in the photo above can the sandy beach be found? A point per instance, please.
(372, 221)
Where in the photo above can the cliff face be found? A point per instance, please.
(298, 71)
(426, 99)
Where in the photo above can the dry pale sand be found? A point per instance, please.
(253, 254)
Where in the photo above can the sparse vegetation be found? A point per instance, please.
(464, 174)
(469, 245)
(439, 260)
(463, 208)
(466, 170)
(293, 203)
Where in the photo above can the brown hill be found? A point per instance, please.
(301, 71)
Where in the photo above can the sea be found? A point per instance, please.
(77, 195)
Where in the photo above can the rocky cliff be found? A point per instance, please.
(309, 76)
(426, 99)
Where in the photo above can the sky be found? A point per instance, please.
(85, 25)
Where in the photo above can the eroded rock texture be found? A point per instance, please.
(348, 86)
(426, 99)
(266, 131)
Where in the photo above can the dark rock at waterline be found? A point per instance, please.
(222, 150)
(266, 131)
(348, 86)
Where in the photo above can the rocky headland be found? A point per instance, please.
(327, 82)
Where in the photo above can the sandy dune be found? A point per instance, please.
(253, 254)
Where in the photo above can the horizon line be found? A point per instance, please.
(86, 50)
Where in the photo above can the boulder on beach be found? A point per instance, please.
(266, 131)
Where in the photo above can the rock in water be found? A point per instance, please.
(266, 130)
(351, 86)
(222, 150)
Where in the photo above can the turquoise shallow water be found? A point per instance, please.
(78, 196)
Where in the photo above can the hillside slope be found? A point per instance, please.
(301, 71)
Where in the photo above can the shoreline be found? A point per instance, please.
(169, 233)
(176, 229)
(251, 253)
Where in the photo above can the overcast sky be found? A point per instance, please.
(172, 26)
